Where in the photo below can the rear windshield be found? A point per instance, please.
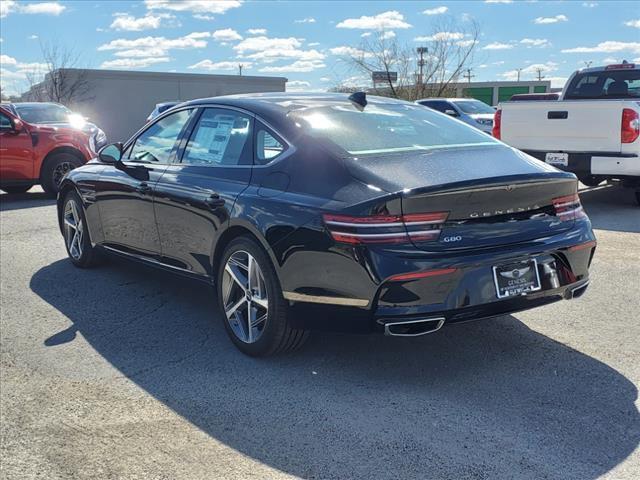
(474, 106)
(387, 128)
(607, 84)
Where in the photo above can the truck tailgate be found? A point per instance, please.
(568, 126)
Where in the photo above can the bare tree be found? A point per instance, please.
(58, 79)
(450, 48)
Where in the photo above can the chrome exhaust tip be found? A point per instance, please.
(578, 291)
(413, 328)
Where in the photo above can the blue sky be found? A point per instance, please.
(306, 41)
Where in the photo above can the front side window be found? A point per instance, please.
(43, 113)
(156, 142)
(474, 106)
(221, 138)
(390, 127)
(268, 146)
(5, 122)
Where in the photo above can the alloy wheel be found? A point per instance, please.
(60, 170)
(245, 297)
(73, 229)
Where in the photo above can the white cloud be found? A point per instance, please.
(609, 46)
(466, 43)
(129, 23)
(226, 35)
(44, 8)
(297, 86)
(194, 6)
(589, 4)
(349, 51)
(440, 36)
(127, 63)
(531, 71)
(387, 35)
(257, 31)
(314, 44)
(497, 46)
(548, 20)
(306, 20)
(33, 37)
(633, 23)
(297, 66)
(141, 52)
(193, 40)
(209, 65)
(610, 60)
(535, 42)
(201, 16)
(382, 21)
(7, 60)
(435, 11)
(498, 1)
(325, 79)
(267, 49)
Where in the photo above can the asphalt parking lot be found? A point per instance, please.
(126, 372)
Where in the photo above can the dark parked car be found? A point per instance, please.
(397, 217)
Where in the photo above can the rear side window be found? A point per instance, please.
(268, 145)
(438, 105)
(221, 138)
(5, 123)
(607, 84)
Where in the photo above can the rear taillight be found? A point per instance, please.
(568, 208)
(630, 128)
(497, 121)
(417, 227)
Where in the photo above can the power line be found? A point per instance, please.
(540, 76)
(468, 75)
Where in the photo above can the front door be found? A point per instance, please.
(195, 196)
(16, 153)
(125, 193)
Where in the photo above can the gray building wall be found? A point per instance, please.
(120, 101)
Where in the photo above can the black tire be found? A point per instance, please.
(638, 197)
(88, 255)
(591, 180)
(54, 169)
(14, 189)
(277, 335)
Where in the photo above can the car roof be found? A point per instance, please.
(446, 99)
(276, 105)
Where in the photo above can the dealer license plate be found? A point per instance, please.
(516, 278)
(560, 159)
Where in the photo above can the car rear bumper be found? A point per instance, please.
(605, 164)
(362, 284)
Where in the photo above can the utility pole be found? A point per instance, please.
(421, 51)
(588, 64)
(240, 69)
(540, 76)
(518, 70)
(468, 75)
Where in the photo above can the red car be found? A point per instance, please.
(40, 147)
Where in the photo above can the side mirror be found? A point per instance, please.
(452, 113)
(111, 153)
(17, 126)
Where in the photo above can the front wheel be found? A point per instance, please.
(76, 235)
(54, 170)
(255, 314)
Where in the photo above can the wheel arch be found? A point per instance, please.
(58, 150)
(238, 228)
(66, 187)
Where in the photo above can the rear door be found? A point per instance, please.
(125, 195)
(195, 196)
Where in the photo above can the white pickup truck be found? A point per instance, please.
(592, 130)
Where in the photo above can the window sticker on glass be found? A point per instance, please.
(218, 139)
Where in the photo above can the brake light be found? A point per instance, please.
(568, 208)
(583, 246)
(630, 127)
(497, 123)
(385, 229)
(621, 66)
(403, 277)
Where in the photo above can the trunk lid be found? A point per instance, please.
(494, 195)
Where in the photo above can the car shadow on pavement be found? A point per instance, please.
(489, 399)
(18, 201)
(611, 207)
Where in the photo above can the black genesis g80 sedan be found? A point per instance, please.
(332, 208)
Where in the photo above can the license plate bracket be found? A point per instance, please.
(516, 278)
(555, 158)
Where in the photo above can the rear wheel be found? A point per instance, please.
(255, 314)
(54, 170)
(76, 235)
(638, 197)
(591, 180)
(17, 188)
